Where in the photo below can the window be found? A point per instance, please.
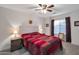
(59, 27)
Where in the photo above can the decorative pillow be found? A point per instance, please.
(35, 33)
(24, 35)
(27, 36)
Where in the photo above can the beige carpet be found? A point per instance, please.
(68, 49)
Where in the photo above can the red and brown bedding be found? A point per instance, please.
(41, 44)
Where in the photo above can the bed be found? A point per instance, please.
(41, 44)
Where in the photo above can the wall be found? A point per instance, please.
(10, 19)
(4, 31)
(74, 29)
(47, 30)
(26, 27)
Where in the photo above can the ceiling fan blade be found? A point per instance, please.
(50, 6)
(49, 10)
(40, 5)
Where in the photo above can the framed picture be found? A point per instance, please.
(76, 23)
(47, 25)
(30, 21)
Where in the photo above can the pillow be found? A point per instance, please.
(24, 35)
(35, 33)
(27, 36)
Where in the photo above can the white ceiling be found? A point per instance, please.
(58, 9)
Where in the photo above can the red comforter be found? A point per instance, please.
(41, 44)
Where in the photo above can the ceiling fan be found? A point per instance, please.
(45, 7)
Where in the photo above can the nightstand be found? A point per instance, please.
(16, 44)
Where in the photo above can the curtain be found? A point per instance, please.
(52, 27)
(68, 29)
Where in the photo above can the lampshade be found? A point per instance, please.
(15, 32)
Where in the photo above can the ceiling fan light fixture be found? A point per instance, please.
(43, 11)
(46, 8)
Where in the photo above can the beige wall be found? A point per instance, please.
(74, 29)
(10, 19)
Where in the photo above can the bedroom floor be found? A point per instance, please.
(68, 49)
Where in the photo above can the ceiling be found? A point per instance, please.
(57, 10)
